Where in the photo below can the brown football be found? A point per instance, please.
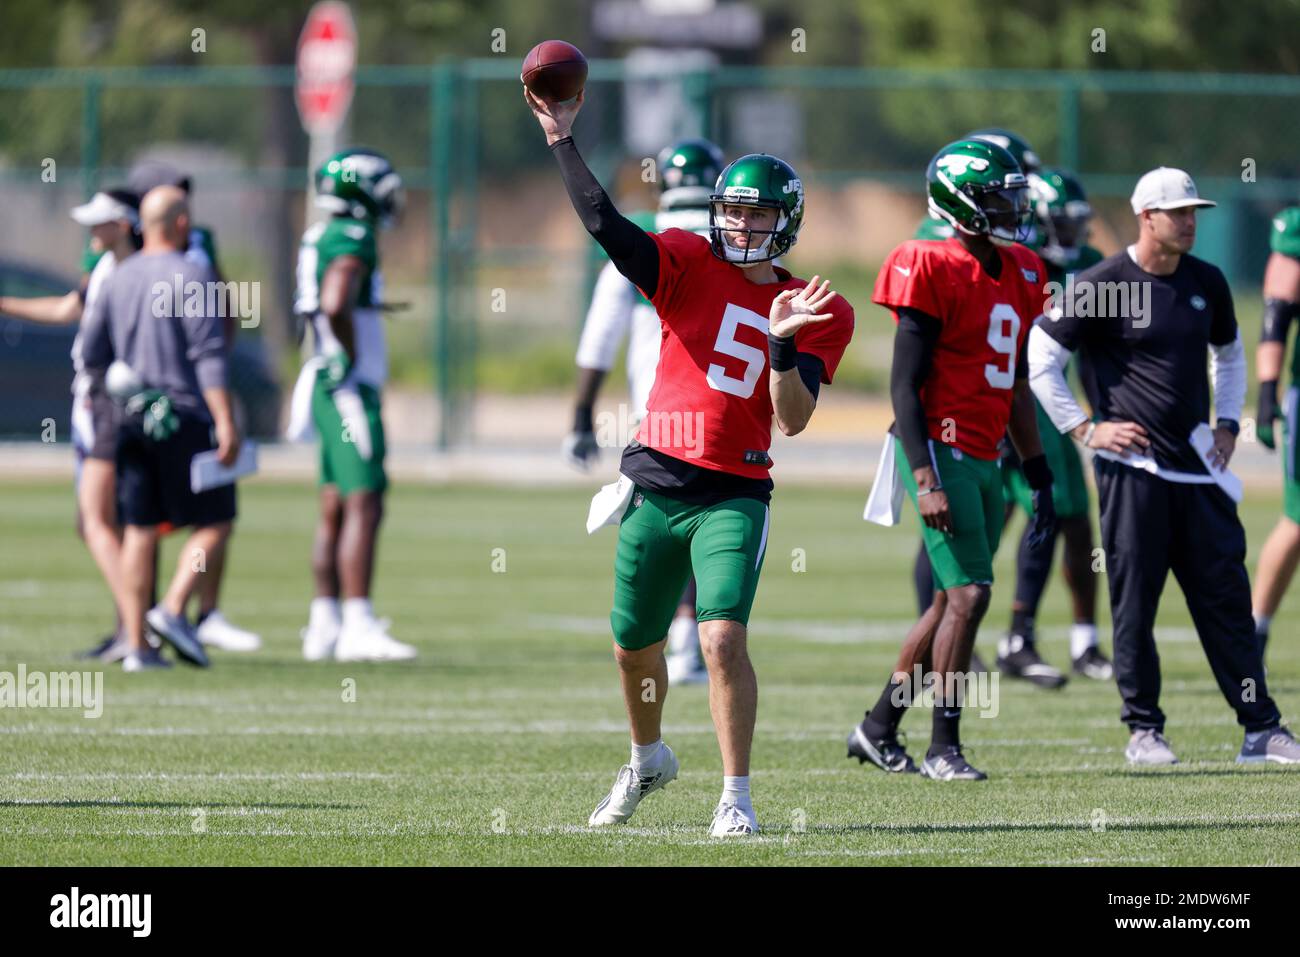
(554, 70)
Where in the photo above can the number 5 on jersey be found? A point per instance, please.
(728, 345)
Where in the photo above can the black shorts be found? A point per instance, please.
(153, 478)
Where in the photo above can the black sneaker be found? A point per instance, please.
(98, 650)
(1017, 658)
(885, 753)
(1093, 664)
(950, 765)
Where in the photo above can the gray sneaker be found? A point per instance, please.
(1148, 747)
(176, 631)
(1275, 744)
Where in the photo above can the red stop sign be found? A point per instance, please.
(327, 54)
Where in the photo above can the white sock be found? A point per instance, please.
(647, 757)
(735, 790)
(324, 613)
(1082, 637)
(684, 636)
(357, 611)
(1261, 624)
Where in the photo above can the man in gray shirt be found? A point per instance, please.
(158, 318)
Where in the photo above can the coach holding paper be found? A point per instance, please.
(1164, 505)
(177, 353)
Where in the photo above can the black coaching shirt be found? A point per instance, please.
(1148, 366)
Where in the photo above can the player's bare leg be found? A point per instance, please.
(138, 545)
(211, 625)
(1277, 565)
(643, 673)
(97, 524)
(192, 564)
(733, 702)
(953, 644)
(362, 636)
(326, 617)
(875, 738)
(358, 534)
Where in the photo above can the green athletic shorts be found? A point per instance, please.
(1069, 487)
(974, 490)
(1290, 453)
(661, 541)
(351, 437)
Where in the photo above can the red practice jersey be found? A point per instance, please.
(985, 321)
(710, 404)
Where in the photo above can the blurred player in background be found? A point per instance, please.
(1060, 236)
(687, 172)
(112, 218)
(1281, 552)
(180, 408)
(340, 292)
(959, 382)
(212, 627)
(694, 498)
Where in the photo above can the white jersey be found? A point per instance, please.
(94, 287)
(618, 311)
(370, 360)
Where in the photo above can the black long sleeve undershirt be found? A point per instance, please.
(914, 344)
(628, 246)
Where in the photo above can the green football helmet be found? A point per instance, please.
(978, 188)
(687, 171)
(762, 180)
(1011, 142)
(361, 184)
(1061, 214)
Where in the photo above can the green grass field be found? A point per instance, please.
(495, 745)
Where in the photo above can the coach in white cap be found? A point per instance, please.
(111, 217)
(1144, 321)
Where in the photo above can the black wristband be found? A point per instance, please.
(1267, 397)
(1037, 472)
(582, 419)
(1232, 425)
(782, 353)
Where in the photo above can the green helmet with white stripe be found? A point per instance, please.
(360, 184)
(761, 180)
(979, 189)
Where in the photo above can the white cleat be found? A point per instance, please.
(371, 641)
(732, 820)
(629, 789)
(216, 632)
(318, 642)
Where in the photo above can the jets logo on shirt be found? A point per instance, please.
(1198, 302)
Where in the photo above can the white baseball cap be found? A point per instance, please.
(104, 208)
(1165, 188)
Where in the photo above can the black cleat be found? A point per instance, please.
(950, 765)
(885, 753)
(1093, 664)
(1017, 658)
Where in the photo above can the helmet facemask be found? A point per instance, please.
(772, 243)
